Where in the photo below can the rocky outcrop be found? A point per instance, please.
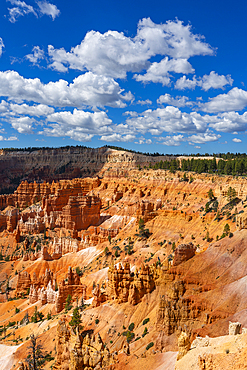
(124, 286)
(234, 328)
(183, 345)
(80, 350)
(99, 296)
(44, 295)
(241, 221)
(81, 212)
(53, 196)
(70, 286)
(173, 310)
(60, 246)
(183, 253)
(23, 283)
(46, 290)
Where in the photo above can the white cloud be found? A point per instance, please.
(185, 83)
(20, 9)
(237, 140)
(178, 101)
(37, 110)
(48, 9)
(158, 72)
(86, 90)
(113, 54)
(118, 138)
(215, 81)
(204, 138)
(38, 54)
(142, 140)
(78, 125)
(230, 122)
(173, 140)
(1, 46)
(168, 119)
(144, 102)
(24, 125)
(211, 81)
(235, 99)
(11, 138)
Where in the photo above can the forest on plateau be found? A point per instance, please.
(235, 166)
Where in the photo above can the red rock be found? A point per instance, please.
(183, 253)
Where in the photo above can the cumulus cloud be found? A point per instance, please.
(118, 138)
(144, 102)
(211, 81)
(199, 127)
(235, 99)
(86, 90)
(48, 9)
(158, 72)
(185, 83)
(20, 9)
(168, 119)
(36, 110)
(204, 137)
(230, 122)
(113, 54)
(24, 125)
(37, 55)
(236, 140)
(1, 46)
(178, 101)
(142, 140)
(11, 138)
(78, 125)
(173, 140)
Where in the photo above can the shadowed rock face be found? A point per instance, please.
(64, 163)
(183, 253)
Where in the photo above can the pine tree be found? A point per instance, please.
(231, 194)
(34, 318)
(210, 194)
(36, 357)
(226, 229)
(68, 304)
(76, 319)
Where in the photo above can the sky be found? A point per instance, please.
(152, 76)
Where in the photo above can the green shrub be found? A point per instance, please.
(145, 332)
(145, 321)
(149, 345)
(131, 326)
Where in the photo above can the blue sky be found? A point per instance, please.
(145, 75)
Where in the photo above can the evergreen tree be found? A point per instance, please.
(210, 194)
(68, 304)
(231, 194)
(226, 229)
(76, 319)
(36, 357)
(34, 318)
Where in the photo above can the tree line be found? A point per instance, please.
(236, 166)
